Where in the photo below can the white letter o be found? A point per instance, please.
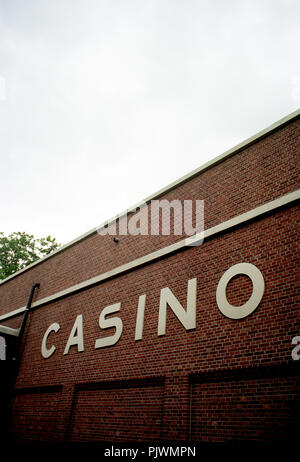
(239, 312)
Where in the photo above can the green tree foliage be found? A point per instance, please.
(18, 250)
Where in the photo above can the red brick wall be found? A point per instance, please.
(245, 408)
(262, 172)
(204, 384)
(35, 414)
(122, 411)
(217, 344)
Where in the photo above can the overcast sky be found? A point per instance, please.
(103, 102)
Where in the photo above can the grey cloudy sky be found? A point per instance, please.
(103, 102)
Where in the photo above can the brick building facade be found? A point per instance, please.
(221, 379)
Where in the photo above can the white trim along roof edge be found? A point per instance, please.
(255, 213)
(231, 152)
(9, 331)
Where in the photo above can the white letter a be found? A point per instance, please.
(76, 336)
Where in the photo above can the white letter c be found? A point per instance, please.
(47, 352)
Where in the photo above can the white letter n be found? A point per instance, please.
(186, 317)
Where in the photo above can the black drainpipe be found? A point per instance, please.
(17, 350)
(14, 368)
(23, 325)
